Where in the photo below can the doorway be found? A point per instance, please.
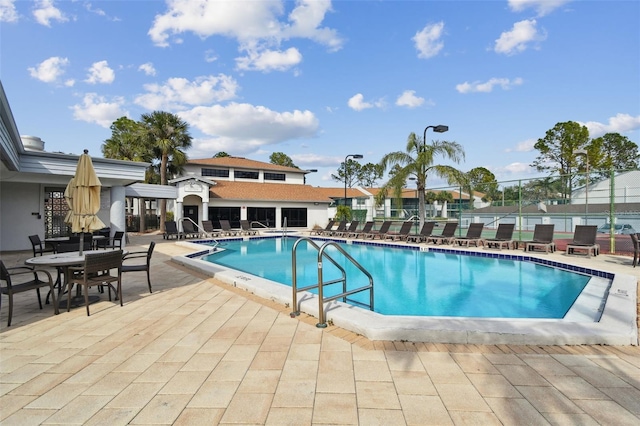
(190, 212)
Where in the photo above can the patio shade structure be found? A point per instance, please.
(83, 197)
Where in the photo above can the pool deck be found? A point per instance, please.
(199, 351)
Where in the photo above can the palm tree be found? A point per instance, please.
(418, 162)
(169, 137)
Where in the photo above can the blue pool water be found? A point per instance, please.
(411, 282)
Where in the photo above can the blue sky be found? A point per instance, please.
(319, 80)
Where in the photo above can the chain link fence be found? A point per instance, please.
(609, 200)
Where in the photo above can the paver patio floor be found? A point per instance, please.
(196, 351)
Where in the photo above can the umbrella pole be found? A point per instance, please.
(81, 241)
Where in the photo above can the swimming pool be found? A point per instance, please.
(414, 282)
(589, 320)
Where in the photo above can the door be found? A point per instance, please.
(191, 212)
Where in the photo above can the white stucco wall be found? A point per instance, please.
(19, 200)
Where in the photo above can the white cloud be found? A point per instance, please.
(487, 86)
(100, 72)
(316, 160)
(524, 146)
(45, 12)
(356, 102)
(244, 128)
(409, 99)
(513, 169)
(49, 70)
(518, 39)
(427, 40)
(96, 109)
(210, 56)
(177, 93)
(147, 68)
(621, 123)
(8, 11)
(269, 60)
(542, 7)
(259, 27)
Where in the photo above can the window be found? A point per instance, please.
(242, 174)
(296, 218)
(274, 176)
(264, 215)
(232, 214)
(215, 172)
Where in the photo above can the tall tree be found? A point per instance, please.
(612, 151)
(482, 180)
(557, 151)
(369, 174)
(418, 162)
(281, 159)
(221, 154)
(127, 142)
(349, 171)
(169, 137)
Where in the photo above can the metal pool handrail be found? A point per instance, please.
(320, 284)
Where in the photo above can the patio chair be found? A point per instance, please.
(425, 232)
(584, 238)
(113, 242)
(10, 288)
(40, 249)
(504, 237)
(209, 230)
(96, 271)
(542, 238)
(380, 233)
(368, 226)
(401, 234)
(447, 236)
(189, 229)
(636, 248)
(139, 267)
(353, 227)
(247, 229)
(474, 236)
(225, 225)
(327, 228)
(171, 230)
(342, 226)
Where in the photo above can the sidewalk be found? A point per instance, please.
(196, 351)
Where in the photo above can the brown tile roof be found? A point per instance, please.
(228, 190)
(243, 163)
(411, 193)
(339, 192)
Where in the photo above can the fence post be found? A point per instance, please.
(612, 206)
(520, 209)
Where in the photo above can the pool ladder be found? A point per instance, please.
(320, 284)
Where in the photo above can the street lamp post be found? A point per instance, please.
(345, 173)
(440, 128)
(586, 186)
(305, 175)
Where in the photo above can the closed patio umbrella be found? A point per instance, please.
(83, 196)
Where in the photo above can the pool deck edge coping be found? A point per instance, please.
(617, 325)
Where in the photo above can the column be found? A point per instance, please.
(117, 211)
(205, 210)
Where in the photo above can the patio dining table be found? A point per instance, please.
(64, 261)
(57, 240)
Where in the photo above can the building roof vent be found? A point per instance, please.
(32, 143)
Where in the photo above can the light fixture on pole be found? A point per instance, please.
(345, 173)
(304, 177)
(440, 128)
(586, 186)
